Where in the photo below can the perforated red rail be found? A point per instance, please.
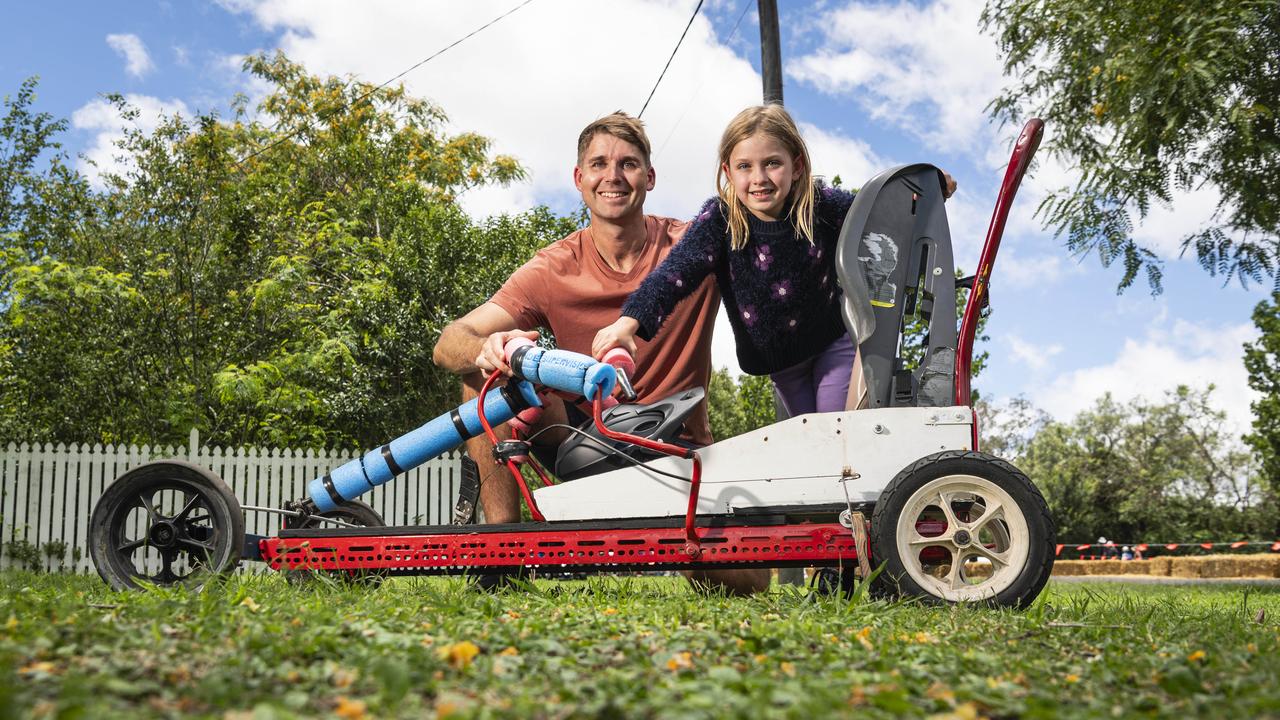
(594, 549)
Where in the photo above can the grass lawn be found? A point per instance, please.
(258, 647)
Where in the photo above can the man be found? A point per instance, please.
(576, 286)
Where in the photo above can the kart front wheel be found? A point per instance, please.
(959, 527)
(165, 523)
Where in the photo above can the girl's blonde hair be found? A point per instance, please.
(774, 121)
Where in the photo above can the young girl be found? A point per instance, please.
(770, 239)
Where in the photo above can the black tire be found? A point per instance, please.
(352, 512)
(1001, 526)
(833, 581)
(171, 514)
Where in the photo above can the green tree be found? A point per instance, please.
(1262, 362)
(275, 284)
(739, 406)
(1148, 471)
(1148, 97)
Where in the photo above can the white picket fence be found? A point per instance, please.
(47, 492)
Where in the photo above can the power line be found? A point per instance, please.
(746, 5)
(673, 56)
(366, 95)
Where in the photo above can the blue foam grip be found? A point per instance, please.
(416, 447)
(568, 371)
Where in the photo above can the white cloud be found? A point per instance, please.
(835, 154)
(137, 62)
(1033, 355)
(1171, 353)
(532, 80)
(927, 70)
(102, 157)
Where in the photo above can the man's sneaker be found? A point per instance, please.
(497, 582)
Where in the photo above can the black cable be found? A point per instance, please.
(609, 449)
(366, 95)
(673, 57)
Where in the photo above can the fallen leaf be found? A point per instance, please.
(510, 651)
(350, 709)
(680, 661)
(43, 666)
(342, 678)
(788, 668)
(249, 603)
(939, 691)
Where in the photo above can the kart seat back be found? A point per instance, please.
(894, 262)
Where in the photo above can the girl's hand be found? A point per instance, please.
(622, 333)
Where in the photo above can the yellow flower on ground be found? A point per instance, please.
(1072, 678)
(510, 651)
(864, 637)
(788, 668)
(1196, 656)
(459, 654)
(609, 611)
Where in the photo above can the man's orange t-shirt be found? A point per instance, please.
(568, 288)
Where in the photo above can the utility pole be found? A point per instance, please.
(770, 52)
(771, 72)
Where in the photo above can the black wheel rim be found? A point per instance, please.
(167, 531)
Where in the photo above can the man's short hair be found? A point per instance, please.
(619, 125)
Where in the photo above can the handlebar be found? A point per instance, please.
(560, 369)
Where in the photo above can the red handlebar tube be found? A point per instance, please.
(1023, 150)
(692, 545)
(534, 512)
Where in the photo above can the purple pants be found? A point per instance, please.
(819, 384)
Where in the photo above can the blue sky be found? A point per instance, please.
(872, 84)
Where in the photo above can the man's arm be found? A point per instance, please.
(475, 341)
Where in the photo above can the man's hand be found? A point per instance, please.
(622, 333)
(493, 355)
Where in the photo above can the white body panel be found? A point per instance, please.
(794, 462)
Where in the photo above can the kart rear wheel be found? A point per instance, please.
(165, 523)
(959, 527)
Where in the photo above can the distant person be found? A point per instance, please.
(1109, 551)
(1126, 553)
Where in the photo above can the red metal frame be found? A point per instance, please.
(1019, 161)
(568, 549)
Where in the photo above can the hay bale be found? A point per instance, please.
(1160, 566)
(1069, 568)
(1185, 567)
(1106, 567)
(1262, 565)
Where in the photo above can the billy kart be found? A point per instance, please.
(947, 522)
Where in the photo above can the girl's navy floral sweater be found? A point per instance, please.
(780, 291)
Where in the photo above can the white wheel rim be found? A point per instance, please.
(983, 534)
